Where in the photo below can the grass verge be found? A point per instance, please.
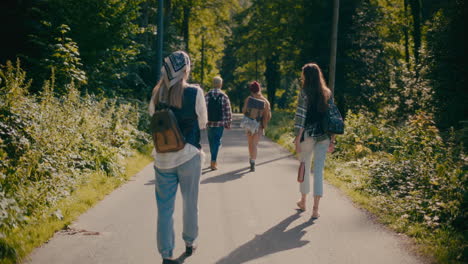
(439, 245)
(23, 241)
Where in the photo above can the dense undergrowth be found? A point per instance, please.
(411, 177)
(49, 146)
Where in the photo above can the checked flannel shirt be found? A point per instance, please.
(226, 106)
(313, 130)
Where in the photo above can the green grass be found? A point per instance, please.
(22, 241)
(439, 245)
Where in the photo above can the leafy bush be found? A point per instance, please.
(407, 171)
(49, 144)
(410, 172)
(425, 176)
(281, 128)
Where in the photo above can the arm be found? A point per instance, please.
(297, 140)
(244, 107)
(207, 98)
(200, 108)
(227, 112)
(301, 112)
(266, 114)
(331, 147)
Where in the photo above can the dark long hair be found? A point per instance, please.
(315, 88)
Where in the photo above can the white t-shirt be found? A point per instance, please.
(173, 159)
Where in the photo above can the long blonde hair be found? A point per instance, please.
(175, 92)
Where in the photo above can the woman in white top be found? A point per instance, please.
(181, 167)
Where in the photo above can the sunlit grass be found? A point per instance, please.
(87, 195)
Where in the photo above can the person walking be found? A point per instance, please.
(310, 138)
(182, 167)
(257, 114)
(219, 117)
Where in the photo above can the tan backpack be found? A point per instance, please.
(167, 136)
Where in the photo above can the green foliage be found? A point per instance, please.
(281, 128)
(97, 44)
(407, 174)
(63, 59)
(49, 144)
(410, 171)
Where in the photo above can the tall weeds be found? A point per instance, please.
(49, 144)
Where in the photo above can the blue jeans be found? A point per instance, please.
(214, 138)
(187, 176)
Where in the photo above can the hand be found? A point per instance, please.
(331, 147)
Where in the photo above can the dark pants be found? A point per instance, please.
(214, 138)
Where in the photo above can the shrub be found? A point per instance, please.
(49, 144)
(411, 170)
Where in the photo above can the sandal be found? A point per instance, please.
(315, 213)
(301, 205)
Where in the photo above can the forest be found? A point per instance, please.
(393, 56)
(401, 78)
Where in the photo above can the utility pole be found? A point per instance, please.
(334, 39)
(203, 58)
(159, 40)
(256, 64)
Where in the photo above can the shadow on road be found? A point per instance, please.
(274, 240)
(228, 176)
(236, 174)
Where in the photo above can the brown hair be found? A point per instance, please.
(315, 88)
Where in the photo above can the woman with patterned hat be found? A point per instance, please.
(181, 167)
(257, 114)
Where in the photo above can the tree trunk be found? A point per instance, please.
(167, 20)
(406, 26)
(416, 13)
(334, 40)
(202, 60)
(186, 24)
(160, 40)
(272, 76)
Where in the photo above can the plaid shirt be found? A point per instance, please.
(313, 130)
(226, 105)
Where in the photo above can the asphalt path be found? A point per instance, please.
(244, 217)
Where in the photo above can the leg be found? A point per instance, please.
(320, 153)
(211, 132)
(250, 142)
(217, 134)
(306, 157)
(302, 202)
(255, 140)
(189, 177)
(166, 189)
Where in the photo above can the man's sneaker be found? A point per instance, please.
(189, 250)
(214, 165)
(170, 261)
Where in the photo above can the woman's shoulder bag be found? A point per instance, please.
(332, 122)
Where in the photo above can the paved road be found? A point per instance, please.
(244, 218)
